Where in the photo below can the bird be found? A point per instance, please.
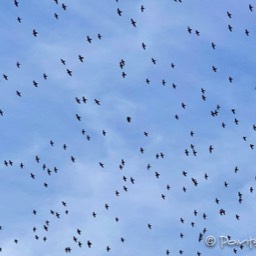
(119, 12)
(124, 74)
(89, 39)
(97, 101)
(133, 22)
(35, 33)
(122, 63)
(89, 243)
(222, 212)
(214, 68)
(68, 249)
(78, 117)
(153, 60)
(184, 173)
(146, 134)
(37, 159)
(56, 16)
(69, 72)
(78, 100)
(63, 61)
(35, 83)
(84, 99)
(132, 180)
(64, 7)
(81, 58)
(183, 105)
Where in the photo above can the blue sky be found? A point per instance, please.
(48, 112)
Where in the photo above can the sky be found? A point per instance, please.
(186, 106)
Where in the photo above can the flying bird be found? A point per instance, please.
(35, 33)
(133, 22)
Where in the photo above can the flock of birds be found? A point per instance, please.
(127, 174)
